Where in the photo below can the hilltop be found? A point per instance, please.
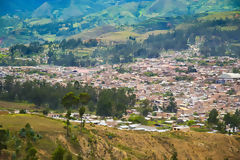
(97, 142)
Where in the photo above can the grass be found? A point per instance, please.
(40, 21)
(15, 122)
(220, 15)
(199, 129)
(123, 144)
(49, 37)
(227, 28)
(118, 36)
(14, 105)
(48, 128)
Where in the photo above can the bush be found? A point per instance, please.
(45, 112)
(137, 119)
(68, 156)
(22, 111)
(58, 153)
(173, 118)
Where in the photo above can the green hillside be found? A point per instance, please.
(50, 20)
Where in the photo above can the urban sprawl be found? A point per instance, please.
(198, 84)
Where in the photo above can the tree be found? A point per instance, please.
(58, 153)
(237, 112)
(172, 106)
(8, 86)
(83, 99)
(232, 120)
(81, 113)
(227, 118)
(231, 92)
(236, 70)
(4, 135)
(68, 156)
(31, 154)
(174, 156)
(212, 119)
(145, 107)
(235, 121)
(76, 85)
(1, 87)
(45, 111)
(112, 102)
(104, 104)
(22, 111)
(91, 106)
(68, 101)
(221, 127)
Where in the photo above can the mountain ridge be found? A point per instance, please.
(49, 20)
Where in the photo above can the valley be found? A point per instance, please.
(120, 79)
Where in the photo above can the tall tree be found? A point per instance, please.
(227, 118)
(68, 101)
(76, 85)
(172, 106)
(212, 119)
(145, 107)
(1, 87)
(83, 99)
(4, 135)
(104, 104)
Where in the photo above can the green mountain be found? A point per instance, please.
(48, 20)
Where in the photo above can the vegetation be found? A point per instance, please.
(53, 134)
(213, 35)
(68, 101)
(150, 74)
(232, 120)
(212, 119)
(114, 102)
(184, 78)
(106, 102)
(137, 119)
(172, 106)
(145, 107)
(231, 92)
(58, 153)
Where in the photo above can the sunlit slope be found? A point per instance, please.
(101, 142)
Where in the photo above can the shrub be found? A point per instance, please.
(137, 119)
(22, 111)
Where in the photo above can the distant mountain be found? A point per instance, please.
(28, 20)
(73, 8)
(45, 10)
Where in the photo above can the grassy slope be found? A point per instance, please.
(12, 105)
(211, 17)
(126, 144)
(108, 34)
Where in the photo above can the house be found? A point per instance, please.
(181, 128)
(228, 77)
(54, 115)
